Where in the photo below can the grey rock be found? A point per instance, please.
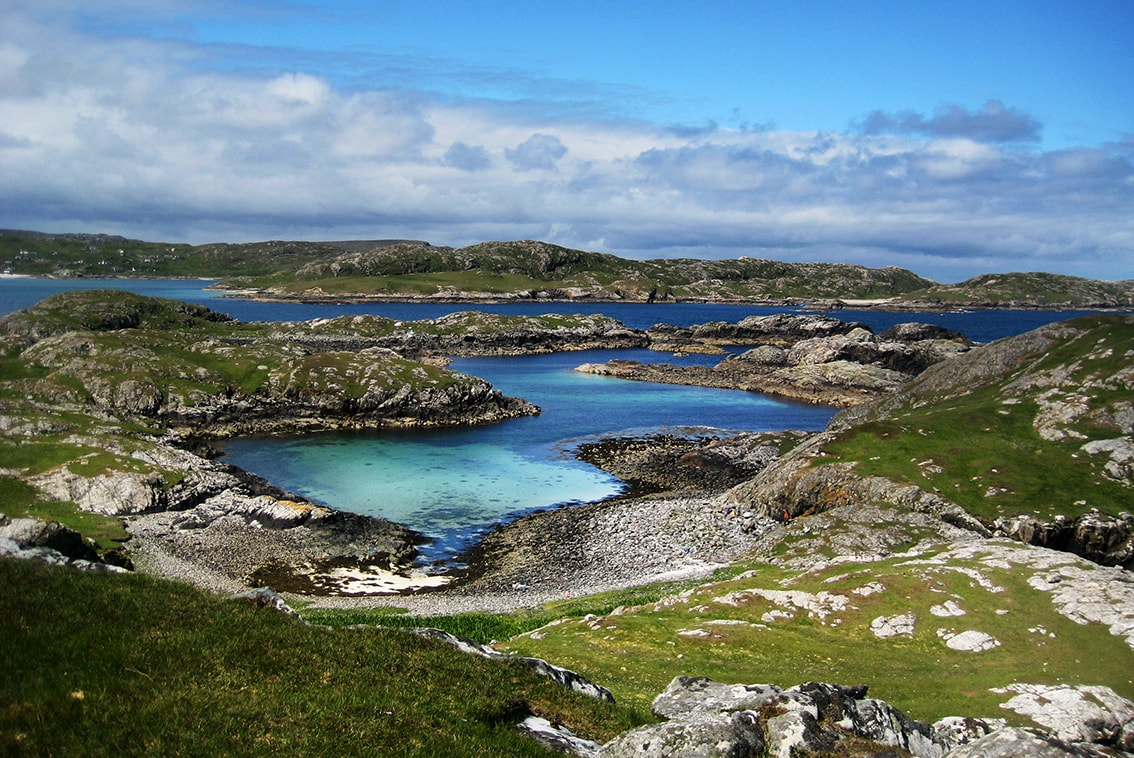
(263, 597)
(810, 718)
(765, 355)
(798, 733)
(1108, 540)
(1014, 742)
(917, 332)
(692, 694)
(953, 731)
(1076, 713)
(562, 676)
(36, 533)
(708, 735)
(558, 737)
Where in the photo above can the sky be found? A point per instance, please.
(950, 138)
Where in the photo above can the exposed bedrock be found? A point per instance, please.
(815, 359)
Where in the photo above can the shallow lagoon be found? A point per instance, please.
(456, 484)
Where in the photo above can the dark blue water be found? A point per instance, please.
(979, 326)
(456, 484)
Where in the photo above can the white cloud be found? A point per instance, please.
(140, 137)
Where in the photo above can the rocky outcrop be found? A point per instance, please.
(1107, 540)
(51, 543)
(1081, 714)
(1014, 742)
(707, 718)
(1066, 380)
(234, 540)
(816, 359)
(779, 329)
(48, 535)
(661, 463)
(464, 333)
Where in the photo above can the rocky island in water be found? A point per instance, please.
(967, 511)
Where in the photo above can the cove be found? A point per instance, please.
(455, 485)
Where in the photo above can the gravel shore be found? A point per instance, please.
(581, 550)
(548, 555)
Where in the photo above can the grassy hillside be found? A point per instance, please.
(523, 268)
(98, 664)
(1042, 289)
(1008, 429)
(103, 255)
(758, 628)
(528, 267)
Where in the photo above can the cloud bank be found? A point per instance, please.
(152, 138)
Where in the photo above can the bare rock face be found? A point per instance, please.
(1077, 714)
(707, 718)
(727, 735)
(1015, 742)
(812, 358)
(36, 533)
(1108, 540)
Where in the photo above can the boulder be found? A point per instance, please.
(1015, 742)
(36, 533)
(704, 735)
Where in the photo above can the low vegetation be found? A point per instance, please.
(524, 269)
(1017, 441)
(1042, 289)
(775, 626)
(99, 664)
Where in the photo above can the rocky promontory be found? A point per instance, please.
(812, 358)
(1028, 437)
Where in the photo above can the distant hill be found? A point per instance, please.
(527, 270)
(1035, 288)
(104, 255)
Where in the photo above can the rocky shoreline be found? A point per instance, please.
(691, 505)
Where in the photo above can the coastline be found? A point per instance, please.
(885, 305)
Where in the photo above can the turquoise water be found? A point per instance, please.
(455, 485)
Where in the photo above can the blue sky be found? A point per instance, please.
(949, 138)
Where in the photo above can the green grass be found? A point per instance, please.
(486, 628)
(100, 664)
(990, 463)
(986, 455)
(638, 651)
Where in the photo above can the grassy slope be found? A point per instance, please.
(980, 447)
(638, 650)
(99, 664)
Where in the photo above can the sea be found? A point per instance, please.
(455, 485)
